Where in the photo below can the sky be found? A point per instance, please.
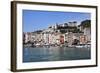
(37, 20)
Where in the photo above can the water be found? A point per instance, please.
(39, 54)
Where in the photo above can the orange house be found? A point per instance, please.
(62, 39)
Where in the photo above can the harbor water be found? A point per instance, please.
(42, 54)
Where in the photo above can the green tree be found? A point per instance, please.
(86, 24)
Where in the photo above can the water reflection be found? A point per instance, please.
(39, 54)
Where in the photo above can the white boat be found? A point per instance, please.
(83, 46)
(37, 45)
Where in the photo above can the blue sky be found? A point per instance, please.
(35, 20)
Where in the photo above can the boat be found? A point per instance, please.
(83, 46)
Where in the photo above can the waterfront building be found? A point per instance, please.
(87, 33)
(71, 37)
(61, 39)
(83, 39)
(50, 36)
(69, 33)
(27, 37)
